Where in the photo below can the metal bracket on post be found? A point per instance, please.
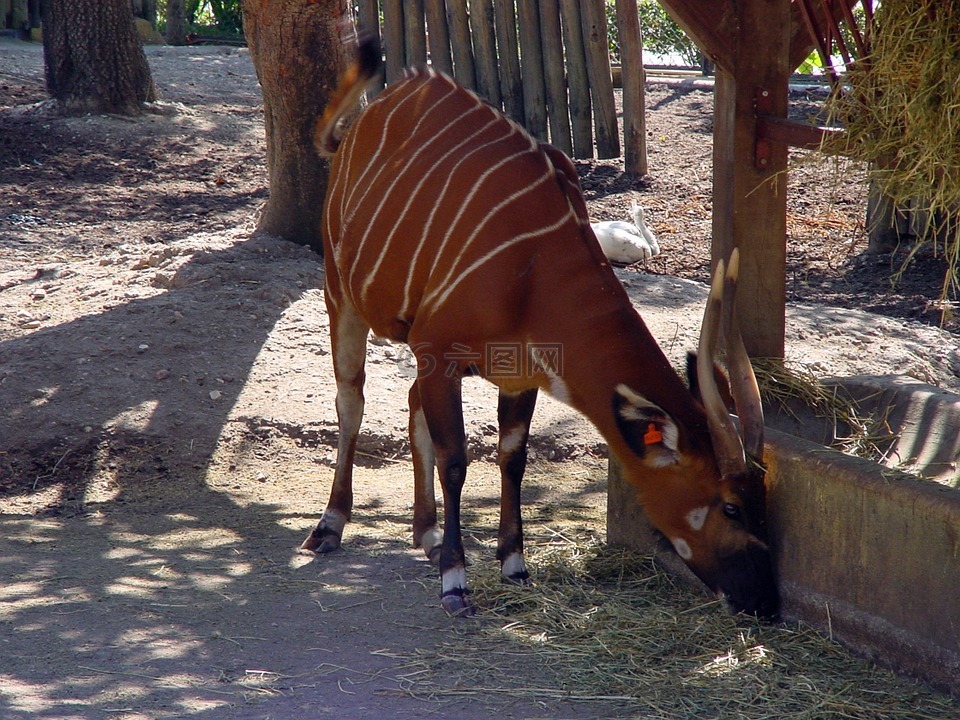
(763, 105)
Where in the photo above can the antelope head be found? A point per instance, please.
(711, 504)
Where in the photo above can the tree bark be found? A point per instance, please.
(176, 22)
(94, 57)
(299, 49)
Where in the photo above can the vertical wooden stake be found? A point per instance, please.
(631, 60)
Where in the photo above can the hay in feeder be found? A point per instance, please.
(782, 385)
(607, 626)
(901, 112)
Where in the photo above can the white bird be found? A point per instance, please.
(625, 242)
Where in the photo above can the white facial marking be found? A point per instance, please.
(696, 518)
(682, 548)
(513, 566)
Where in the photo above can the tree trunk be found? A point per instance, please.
(94, 57)
(176, 22)
(298, 49)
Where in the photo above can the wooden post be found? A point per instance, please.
(580, 114)
(594, 23)
(631, 60)
(414, 33)
(511, 84)
(438, 36)
(20, 16)
(749, 176)
(556, 86)
(531, 54)
(482, 26)
(368, 21)
(393, 43)
(458, 21)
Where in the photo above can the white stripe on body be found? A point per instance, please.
(452, 269)
(473, 192)
(411, 195)
(425, 235)
(384, 167)
(362, 182)
(476, 264)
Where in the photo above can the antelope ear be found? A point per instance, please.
(723, 385)
(647, 429)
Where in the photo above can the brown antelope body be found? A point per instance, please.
(446, 226)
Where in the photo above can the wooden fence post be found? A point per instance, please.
(556, 87)
(594, 21)
(511, 84)
(580, 113)
(631, 62)
(393, 42)
(414, 33)
(459, 22)
(438, 36)
(482, 25)
(531, 55)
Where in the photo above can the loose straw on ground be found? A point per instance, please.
(605, 625)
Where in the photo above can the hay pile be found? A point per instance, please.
(609, 627)
(901, 111)
(783, 385)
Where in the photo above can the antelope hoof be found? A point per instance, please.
(433, 555)
(521, 578)
(456, 604)
(321, 542)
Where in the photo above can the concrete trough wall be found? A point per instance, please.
(864, 553)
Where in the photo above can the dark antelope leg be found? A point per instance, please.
(514, 414)
(440, 399)
(348, 339)
(426, 534)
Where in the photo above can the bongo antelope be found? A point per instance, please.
(448, 227)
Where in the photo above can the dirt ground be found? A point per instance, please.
(168, 428)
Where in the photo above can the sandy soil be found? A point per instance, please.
(168, 424)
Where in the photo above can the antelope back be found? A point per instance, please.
(432, 194)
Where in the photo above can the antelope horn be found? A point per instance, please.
(743, 382)
(727, 446)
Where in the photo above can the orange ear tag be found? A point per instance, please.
(653, 435)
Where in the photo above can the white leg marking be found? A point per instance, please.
(682, 548)
(333, 520)
(421, 436)
(512, 441)
(513, 566)
(696, 518)
(559, 390)
(454, 579)
(431, 539)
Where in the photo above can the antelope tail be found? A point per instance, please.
(364, 68)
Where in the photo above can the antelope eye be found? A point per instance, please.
(732, 511)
